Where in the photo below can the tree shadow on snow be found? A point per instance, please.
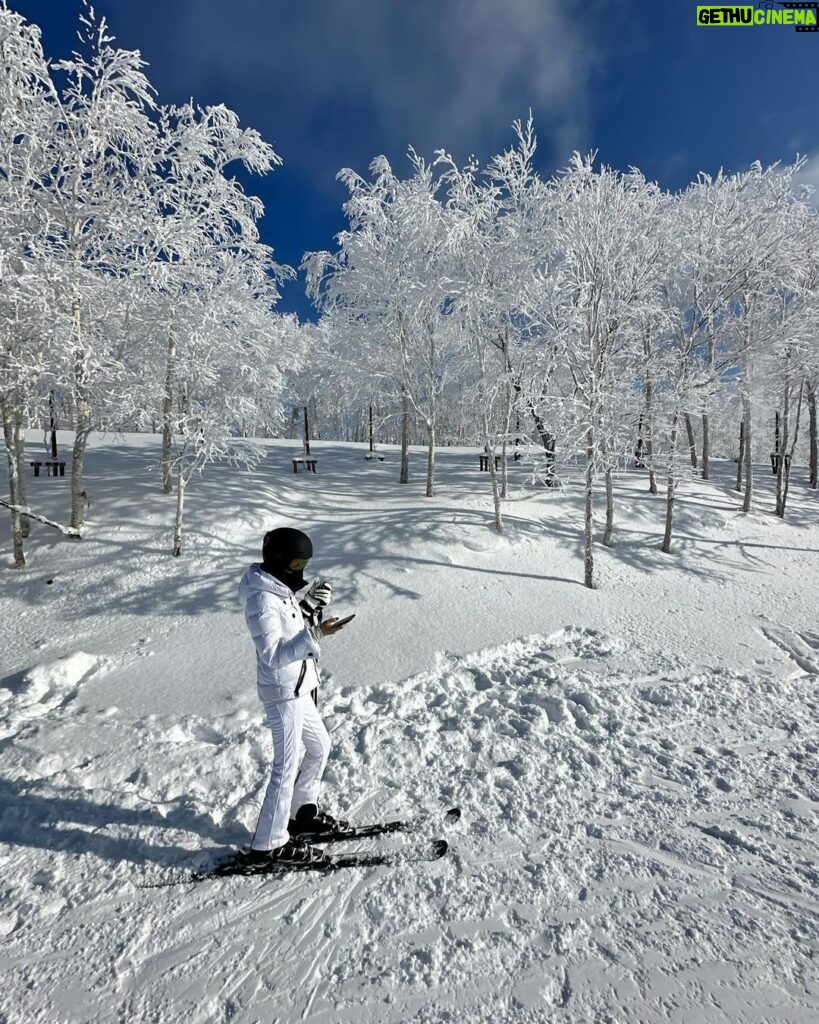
(356, 513)
(126, 571)
(15, 683)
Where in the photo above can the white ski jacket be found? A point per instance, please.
(286, 653)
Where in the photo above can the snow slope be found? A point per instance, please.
(638, 766)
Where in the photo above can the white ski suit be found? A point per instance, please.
(286, 674)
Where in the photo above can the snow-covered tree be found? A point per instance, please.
(92, 215)
(227, 373)
(26, 139)
(596, 279)
(386, 281)
(485, 214)
(199, 213)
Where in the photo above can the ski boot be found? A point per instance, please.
(311, 821)
(293, 852)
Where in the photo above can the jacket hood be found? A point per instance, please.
(256, 579)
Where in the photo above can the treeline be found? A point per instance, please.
(580, 316)
(592, 311)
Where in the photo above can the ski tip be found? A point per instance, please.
(438, 848)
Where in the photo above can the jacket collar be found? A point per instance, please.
(268, 582)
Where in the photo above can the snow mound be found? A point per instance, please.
(43, 688)
(615, 830)
(61, 675)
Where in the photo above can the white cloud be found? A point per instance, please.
(451, 74)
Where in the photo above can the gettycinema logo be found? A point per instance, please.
(804, 17)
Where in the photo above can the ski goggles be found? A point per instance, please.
(297, 563)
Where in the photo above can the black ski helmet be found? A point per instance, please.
(285, 552)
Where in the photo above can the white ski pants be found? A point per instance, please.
(300, 741)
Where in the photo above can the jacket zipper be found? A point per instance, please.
(302, 674)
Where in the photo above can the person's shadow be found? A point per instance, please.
(29, 818)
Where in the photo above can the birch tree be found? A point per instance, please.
(198, 213)
(386, 280)
(93, 210)
(599, 273)
(26, 133)
(227, 374)
(496, 216)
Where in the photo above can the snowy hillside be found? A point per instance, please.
(638, 766)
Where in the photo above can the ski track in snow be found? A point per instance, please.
(801, 648)
(630, 849)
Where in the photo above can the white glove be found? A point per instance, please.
(317, 597)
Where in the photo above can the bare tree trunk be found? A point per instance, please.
(79, 498)
(639, 448)
(649, 434)
(403, 477)
(609, 531)
(669, 514)
(741, 458)
(82, 430)
(14, 485)
(53, 421)
(511, 397)
(20, 453)
(706, 439)
(372, 445)
(432, 414)
(671, 491)
(550, 447)
(787, 456)
(776, 441)
(430, 492)
(749, 468)
(781, 447)
(547, 439)
(493, 476)
(180, 508)
(706, 446)
(167, 414)
(692, 442)
(588, 560)
(814, 438)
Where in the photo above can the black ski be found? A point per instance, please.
(379, 828)
(237, 866)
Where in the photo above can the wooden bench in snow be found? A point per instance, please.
(775, 462)
(53, 467)
(485, 463)
(308, 463)
(374, 455)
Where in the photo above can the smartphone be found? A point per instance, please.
(343, 622)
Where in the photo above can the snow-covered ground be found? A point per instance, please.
(638, 766)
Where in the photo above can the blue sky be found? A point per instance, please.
(333, 83)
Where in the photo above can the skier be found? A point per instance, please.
(286, 632)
